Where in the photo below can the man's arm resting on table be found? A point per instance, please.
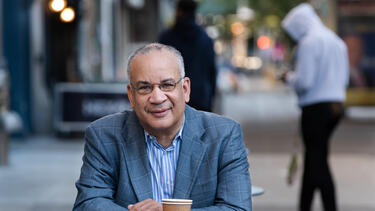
(96, 183)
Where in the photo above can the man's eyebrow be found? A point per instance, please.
(142, 83)
(167, 80)
(163, 81)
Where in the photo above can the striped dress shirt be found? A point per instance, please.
(163, 162)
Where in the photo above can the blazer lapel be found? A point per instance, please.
(192, 152)
(136, 158)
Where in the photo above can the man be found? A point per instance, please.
(320, 80)
(198, 53)
(164, 148)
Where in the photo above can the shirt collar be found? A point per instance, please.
(152, 139)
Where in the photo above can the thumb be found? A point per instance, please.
(130, 206)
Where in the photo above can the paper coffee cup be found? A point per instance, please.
(176, 204)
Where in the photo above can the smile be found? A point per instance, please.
(159, 112)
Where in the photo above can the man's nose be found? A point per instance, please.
(157, 96)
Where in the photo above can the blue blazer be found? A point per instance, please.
(212, 168)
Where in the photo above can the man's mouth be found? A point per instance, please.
(159, 112)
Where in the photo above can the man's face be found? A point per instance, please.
(158, 111)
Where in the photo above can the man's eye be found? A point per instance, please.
(167, 85)
(144, 87)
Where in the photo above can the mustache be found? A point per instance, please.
(157, 108)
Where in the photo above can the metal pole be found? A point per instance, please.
(3, 148)
(106, 31)
(3, 96)
(3, 110)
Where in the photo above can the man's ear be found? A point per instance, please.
(130, 95)
(186, 89)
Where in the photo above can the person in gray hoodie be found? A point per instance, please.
(320, 81)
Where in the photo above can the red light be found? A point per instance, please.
(263, 42)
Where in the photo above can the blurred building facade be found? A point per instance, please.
(42, 50)
(356, 27)
(48, 59)
(16, 55)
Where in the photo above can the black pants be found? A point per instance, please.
(317, 124)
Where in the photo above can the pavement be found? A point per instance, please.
(42, 169)
(269, 121)
(41, 174)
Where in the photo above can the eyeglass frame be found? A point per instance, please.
(152, 85)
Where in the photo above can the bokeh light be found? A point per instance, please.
(57, 5)
(237, 28)
(67, 15)
(263, 42)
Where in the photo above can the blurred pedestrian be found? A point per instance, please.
(198, 53)
(320, 81)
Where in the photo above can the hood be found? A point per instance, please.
(300, 20)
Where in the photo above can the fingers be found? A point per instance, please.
(147, 204)
(282, 77)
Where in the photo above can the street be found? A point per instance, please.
(43, 169)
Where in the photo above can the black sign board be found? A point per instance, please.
(79, 104)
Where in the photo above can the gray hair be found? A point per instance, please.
(153, 47)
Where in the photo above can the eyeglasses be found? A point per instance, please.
(144, 88)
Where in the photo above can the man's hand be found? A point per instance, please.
(147, 204)
(283, 77)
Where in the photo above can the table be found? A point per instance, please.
(256, 190)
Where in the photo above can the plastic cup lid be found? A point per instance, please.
(177, 201)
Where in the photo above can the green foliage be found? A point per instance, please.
(217, 7)
(269, 14)
(278, 8)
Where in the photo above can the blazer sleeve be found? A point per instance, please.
(234, 185)
(96, 185)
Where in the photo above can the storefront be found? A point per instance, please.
(356, 27)
(81, 64)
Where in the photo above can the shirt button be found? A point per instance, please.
(168, 182)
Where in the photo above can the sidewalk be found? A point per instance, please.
(269, 120)
(40, 175)
(43, 170)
